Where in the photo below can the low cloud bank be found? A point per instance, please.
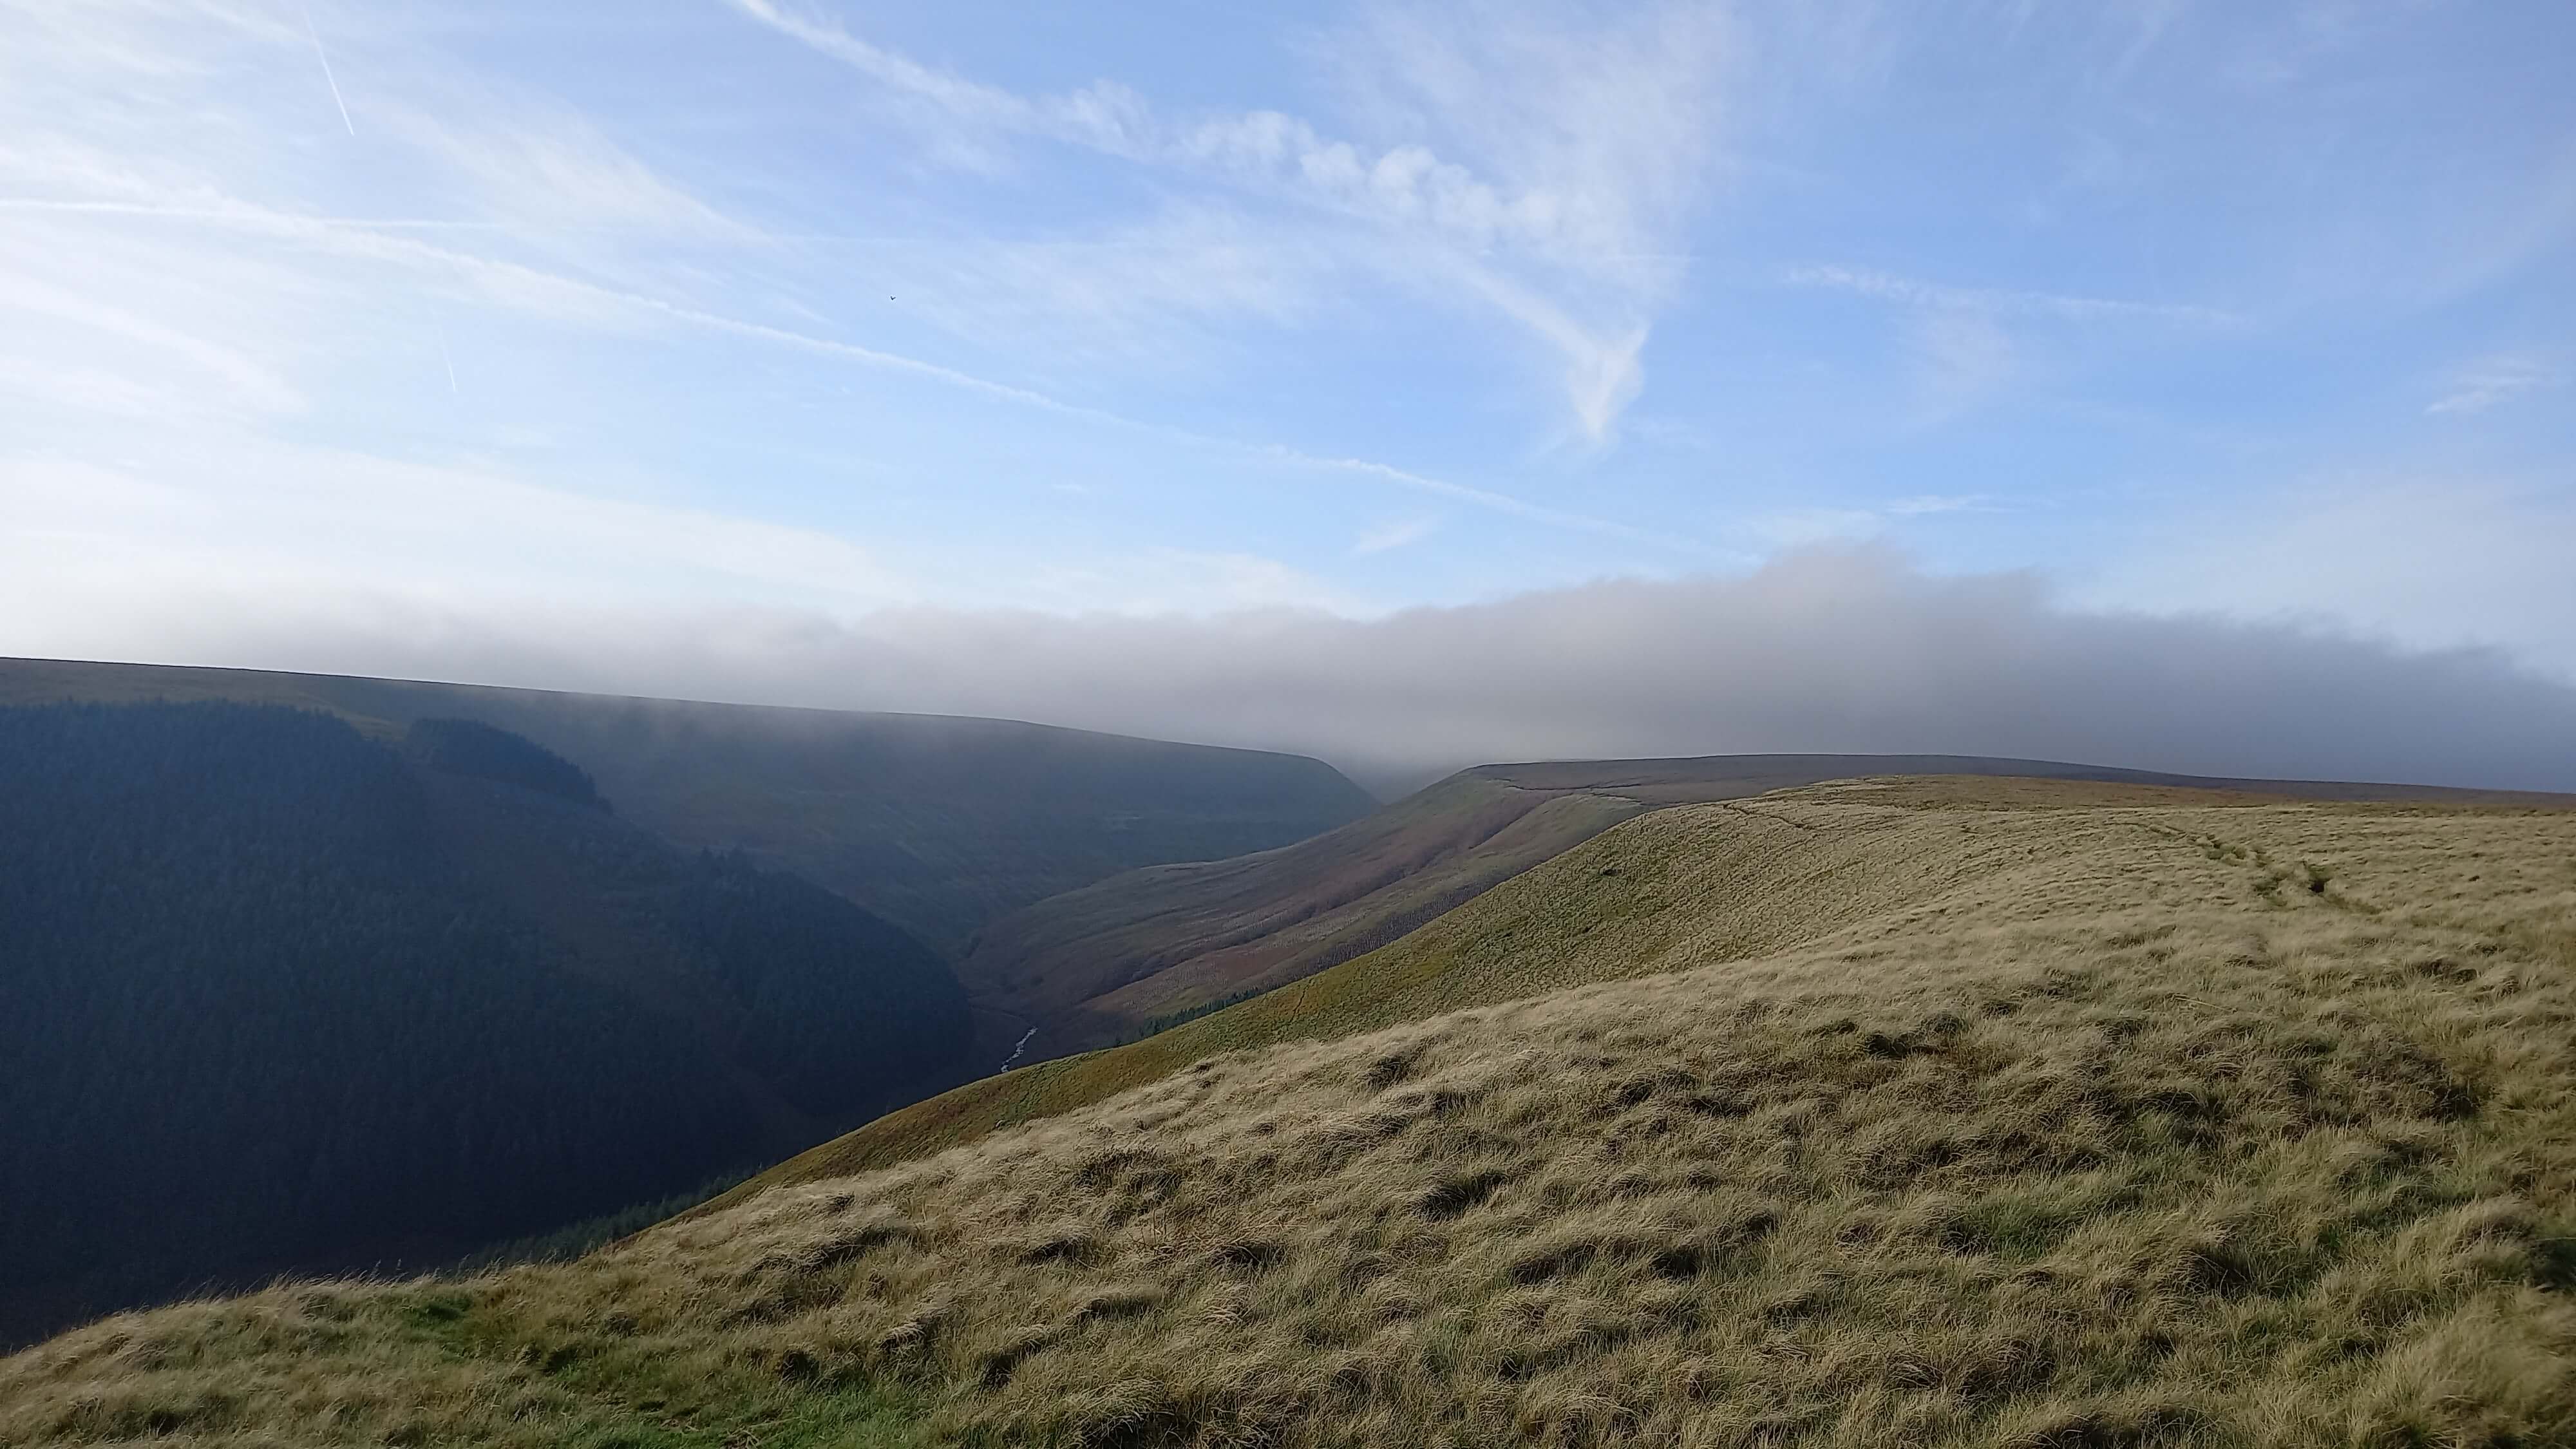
(1824, 651)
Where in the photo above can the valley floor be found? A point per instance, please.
(1933, 1113)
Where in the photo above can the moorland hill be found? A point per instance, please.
(934, 822)
(1154, 946)
(1936, 1112)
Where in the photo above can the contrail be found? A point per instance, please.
(325, 57)
(364, 239)
(444, 356)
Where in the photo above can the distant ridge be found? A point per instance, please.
(1096, 965)
(938, 823)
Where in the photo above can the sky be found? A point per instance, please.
(1078, 362)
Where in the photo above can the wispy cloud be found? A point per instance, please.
(1276, 293)
(1962, 340)
(1188, 288)
(1803, 527)
(1604, 131)
(540, 168)
(1395, 535)
(1505, 503)
(323, 55)
(244, 378)
(1926, 503)
(1603, 374)
(289, 520)
(1592, 143)
(2502, 378)
(131, 38)
(93, 391)
(552, 222)
(2069, 307)
(570, 298)
(962, 98)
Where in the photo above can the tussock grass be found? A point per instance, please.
(1751, 882)
(1697, 885)
(2047, 1121)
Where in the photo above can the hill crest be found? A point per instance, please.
(1099, 964)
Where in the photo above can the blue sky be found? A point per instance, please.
(440, 336)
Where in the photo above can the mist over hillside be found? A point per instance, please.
(1837, 651)
(938, 824)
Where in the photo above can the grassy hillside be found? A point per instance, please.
(281, 995)
(1949, 1114)
(1088, 966)
(1093, 966)
(937, 824)
(1782, 880)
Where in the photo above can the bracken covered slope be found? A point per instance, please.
(1950, 1115)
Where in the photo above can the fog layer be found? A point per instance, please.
(1825, 651)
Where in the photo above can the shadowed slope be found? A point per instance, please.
(2070, 1118)
(281, 996)
(936, 823)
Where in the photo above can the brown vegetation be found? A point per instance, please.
(1098, 965)
(1956, 1115)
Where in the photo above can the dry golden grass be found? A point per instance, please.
(2033, 1118)
(1746, 880)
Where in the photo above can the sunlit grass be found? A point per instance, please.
(1854, 1117)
